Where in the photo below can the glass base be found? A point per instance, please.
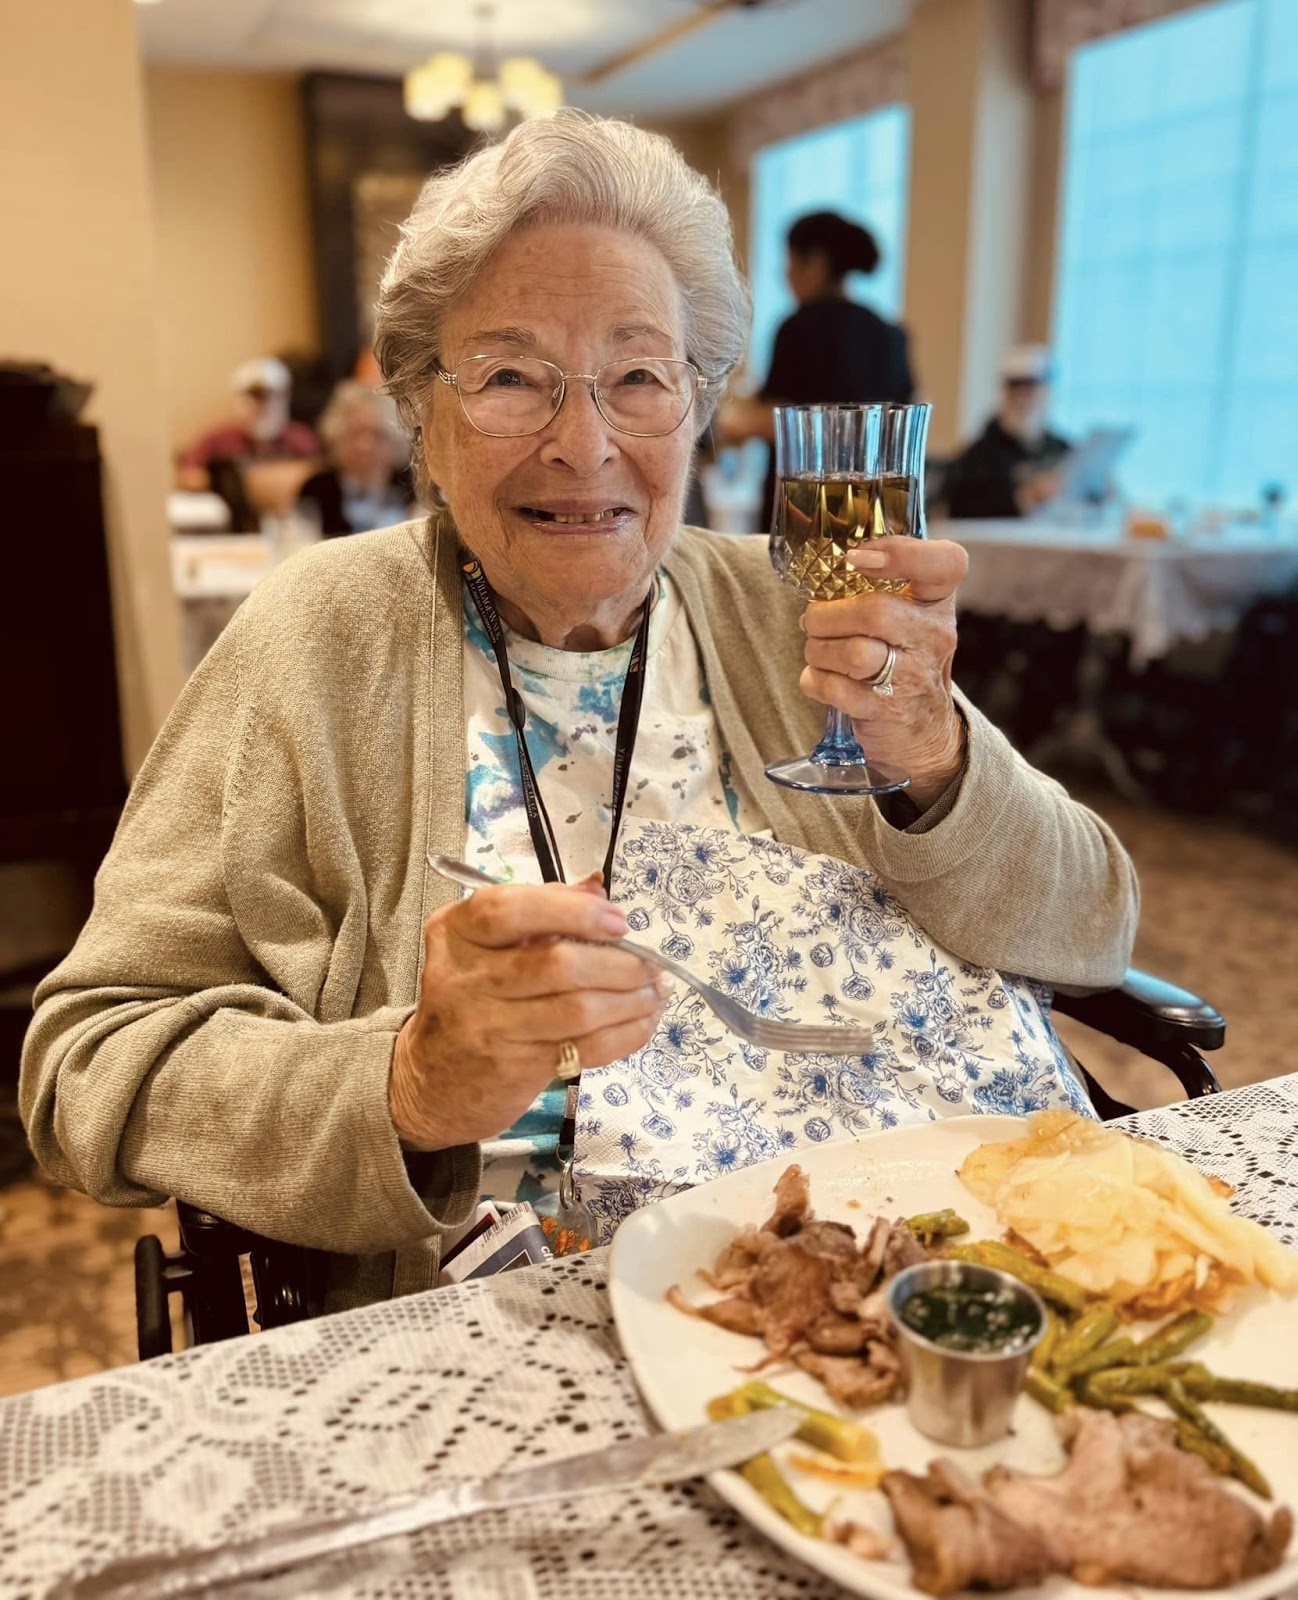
(850, 777)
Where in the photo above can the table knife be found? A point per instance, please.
(661, 1458)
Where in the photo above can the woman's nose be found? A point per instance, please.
(577, 436)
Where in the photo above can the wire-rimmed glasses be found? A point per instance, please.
(508, 397)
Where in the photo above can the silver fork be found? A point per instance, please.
(765, 1032)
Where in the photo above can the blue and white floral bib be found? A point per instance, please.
(808, 938)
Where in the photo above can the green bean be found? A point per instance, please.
(1189, 1438)
(1045, 1391)
(1100, 1400)
(1241, 1467)
(822, 1430)
(762, 1474)
(1169, 1340)
(1092, 1328)
(1204, 1385)
(1112, 1353)
(1044, 1347)
(930, 1225)
(726, 1406)
(1122, 1381)
(1059, 1291)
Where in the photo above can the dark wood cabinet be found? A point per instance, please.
(62, 781)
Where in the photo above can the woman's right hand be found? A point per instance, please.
(505, 984)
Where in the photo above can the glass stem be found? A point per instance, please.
(838, 745)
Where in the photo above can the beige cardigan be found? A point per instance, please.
(223, 1029)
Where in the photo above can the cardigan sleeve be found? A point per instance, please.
(163, 1060)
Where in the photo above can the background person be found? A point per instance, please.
(832, 350)
(1012, 466)
(261, 429)
(367, 483)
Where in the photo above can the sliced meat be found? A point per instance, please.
(791, 1287)
(902, 1250)
(736, 1262)
(958, 1539)
(851, 1381)
(1125, 1476)
(792, 1203)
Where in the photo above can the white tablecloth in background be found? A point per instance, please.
(1154, 592)
(222, 1441)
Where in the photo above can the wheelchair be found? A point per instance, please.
(1167, 1024)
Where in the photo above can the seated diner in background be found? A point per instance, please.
(1011, 468)
(261, 429)
(277, 1012)
(367, 483)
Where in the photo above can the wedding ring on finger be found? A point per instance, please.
(569, 1062)
(881, 683)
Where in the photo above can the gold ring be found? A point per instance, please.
(569, 1062)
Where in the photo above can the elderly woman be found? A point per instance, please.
(277, 1012)
(367, 483)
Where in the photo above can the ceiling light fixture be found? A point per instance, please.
(448, 79)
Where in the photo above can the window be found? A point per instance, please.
(860, 168)
(1177, 303)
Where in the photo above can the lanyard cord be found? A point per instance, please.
(628, 723)
(539, 826)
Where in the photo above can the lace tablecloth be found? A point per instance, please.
(1154, 592)
(224, 1440)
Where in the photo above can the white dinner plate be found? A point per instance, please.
(681, 1362)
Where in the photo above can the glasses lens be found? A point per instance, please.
(508, 395)
(646, 394)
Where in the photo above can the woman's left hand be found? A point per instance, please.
(917, 727)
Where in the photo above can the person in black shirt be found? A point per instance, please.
(1013, 465)
(832, 350)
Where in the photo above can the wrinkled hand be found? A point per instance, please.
(918, 727)
(504, 985)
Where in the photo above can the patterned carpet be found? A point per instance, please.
(1220, 917)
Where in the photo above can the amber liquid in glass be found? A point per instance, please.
(818, 520)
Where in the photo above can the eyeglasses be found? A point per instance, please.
(508, 397)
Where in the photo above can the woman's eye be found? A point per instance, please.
(640, 376)
(505, 378)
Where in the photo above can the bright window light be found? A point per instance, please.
(1176, 300)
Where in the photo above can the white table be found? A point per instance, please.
(225, 1440)
(1154, 593)
(1135, 595)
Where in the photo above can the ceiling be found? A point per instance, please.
(734, 53)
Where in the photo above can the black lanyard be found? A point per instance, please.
(628, 722)
(538, 819)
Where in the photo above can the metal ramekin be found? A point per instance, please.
(954, 1396)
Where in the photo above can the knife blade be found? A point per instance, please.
(661, 1458)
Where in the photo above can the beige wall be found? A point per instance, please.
(999, 207)
(1043, 216)
(79, 289)
(233, 231)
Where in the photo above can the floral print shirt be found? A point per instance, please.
(680, 773)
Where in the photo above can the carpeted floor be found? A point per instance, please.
(1220, 917)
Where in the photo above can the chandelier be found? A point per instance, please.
(448, 79)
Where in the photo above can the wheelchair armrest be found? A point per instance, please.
(1163, 1022)
(1146, 1012)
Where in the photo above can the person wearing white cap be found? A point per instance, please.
(261, 429)
(1012, 466)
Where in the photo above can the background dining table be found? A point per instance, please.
(223, 1441)
(1152, 593)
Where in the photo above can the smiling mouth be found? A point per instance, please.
(574, 519)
